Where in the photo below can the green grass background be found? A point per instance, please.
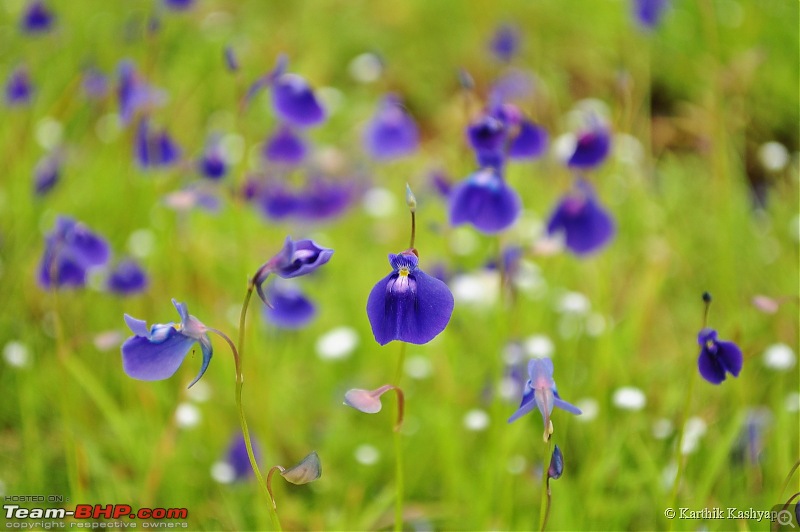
(74, 424)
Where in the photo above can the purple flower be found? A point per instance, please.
(191, 197)
(530, 141)
(237, 459)
(36, 18)
(513, 85)
(484, 200)
(47, 173)
(295, 259)
(487, 135)
(179, 5)
(556, 468)
(540, 392)
(392, 132)
(133, 94)
(18, 87)
(285, 147)
(587, 227)
(95, 83)
(154, 148)
(717, 357)
(291, 309)
(505, 42)
(295, 102)
(592, 147)
(323, 199)
(127, 278)
(408, 304)
(230, 59)
(155, 354)
(212, 163)
(70, 251)
(441, 183)
(648, 12)
(277, 201)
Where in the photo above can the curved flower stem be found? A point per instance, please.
(269, 483)
(237, 358)
(678, 451)
(398, 443)
(789, 477)
(413, 229)
(544, 507)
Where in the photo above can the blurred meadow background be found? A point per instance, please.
(701, 107)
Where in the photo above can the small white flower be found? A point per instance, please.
(337, 344)
(476, 420)
(779, 357)
(629, 398)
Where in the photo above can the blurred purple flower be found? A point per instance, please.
(212, 163)
(133, 94)
(277, 201)
(179, 5)
(230, 59)
(295, 102)
(295, 259)
(530, 141)
(586, 225)
(717, 357)
(237, 458)
(485, 201)
(285, 147)
(47, 173)
(18, 87)
(441, 183)
(127, 278)
(513, 85)
(191, 197)
(267, 79)
(487, 134)
(408, 304)
(648, 13)
(592, 146)
(505, 42)
(157, 353)
(392, 132)
(37, 18)
(95, 83)
(540, 392)
(154, 148)
(290, 309)
(70, 251)
(323, 199)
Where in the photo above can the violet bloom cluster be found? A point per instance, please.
(212, 163)
(320, 199)
(18, 89)
(392, 132)
(37, 18)
(155, 148)
(585, 225)
(71, 251)
(408, 304)
(133, 93)
(540, 392)
(285, 147)
(505, 42)
(592, 144)
(156, 353)
(717, 357)
(127, 278)
(648, 13)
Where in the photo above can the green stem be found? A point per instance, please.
(413, 229)
(544, 507)
(398, 448)
(237, 357)
(679, 455)
(789, 477)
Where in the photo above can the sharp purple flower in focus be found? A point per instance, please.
(583, 222)
(156, 353)
(540, 392)
(717, 357)
(71, 251)
(408, 304)
(295, 259)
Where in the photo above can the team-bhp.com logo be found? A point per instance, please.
(96, 511)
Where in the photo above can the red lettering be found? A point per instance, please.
(106, 512)
(120, 510)
(159, 513)
(83, 511)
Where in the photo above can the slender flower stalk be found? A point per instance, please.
(398, 444)
(544, 506)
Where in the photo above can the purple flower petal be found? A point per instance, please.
(487, 134)
(290, 308)
(392, 132)
(137, 327)
(530, 142)
(526, 405)
(485, 201)
(363, 401)
(18, 88)
(591, 149)
(70, 251)
(717, 357)
(155, 148)
(294, 101)
(238, 459)
(408, 305)
(127, 278)
(151, 361)
(46, 174)
(36, 18)
(179, 5)
(285, 147)
(586, 225)
(648, 12)
(556, 468)
(308, 470)
(505, 42)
